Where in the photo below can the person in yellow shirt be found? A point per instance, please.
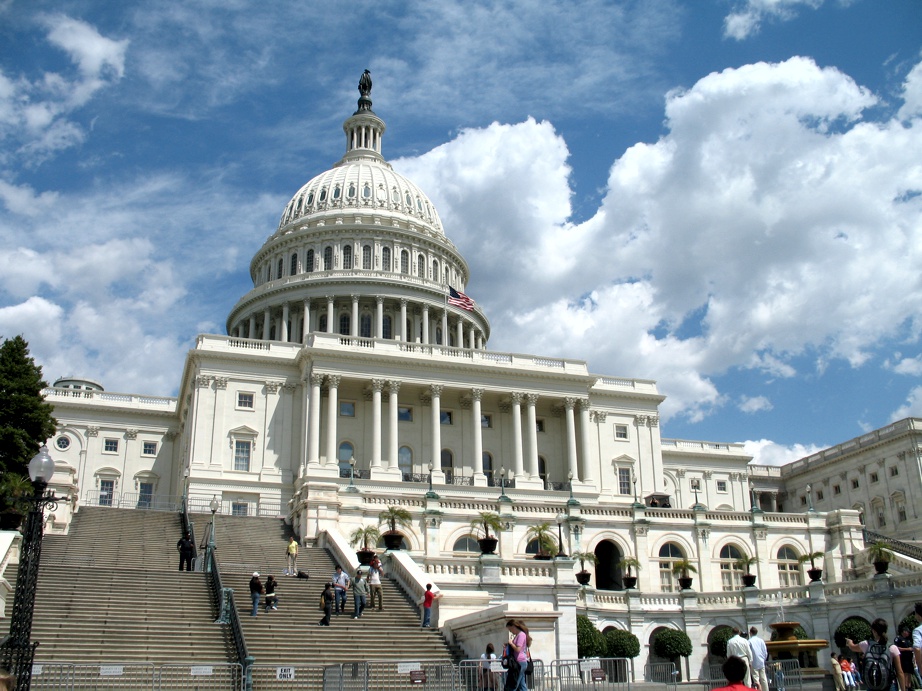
(292, 556)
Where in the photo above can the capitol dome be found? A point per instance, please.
(360, 251)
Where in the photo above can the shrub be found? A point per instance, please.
(719, 638)
(855, 628)
(621, 643)
(671, 644)
(589, 641)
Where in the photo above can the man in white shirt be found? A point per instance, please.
(759, 656)
(738, 646)
(917, 637)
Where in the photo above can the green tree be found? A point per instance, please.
(589, 640)
(718, 645)
(854, 628)
(25, 418)
(672, 644)
(621, 643)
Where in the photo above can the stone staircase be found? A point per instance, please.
(291, 633)
(109, 591)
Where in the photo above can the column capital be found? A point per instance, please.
(584, 405)
(403, 301)
(517, 398)
(316, 379)
(379, 299)
(531, 399)
(569, 402)
(333, 380)
(355, 298)
(436, 389)
(393, 385)
(377, 385)
(477, 394)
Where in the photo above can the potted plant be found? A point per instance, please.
(544, 535)
(394, 516)
(814, 573)
(582, 576)
(363, 536)
(683, 568)
(744, 562)
(629, 579)
(485, 522)
(880, 554)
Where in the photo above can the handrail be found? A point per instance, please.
(228, 611)
(188, 527)
(897, 546)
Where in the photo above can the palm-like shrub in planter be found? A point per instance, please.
(582, 576)
(365, 536)
(484, 523)
(880, 555)
(683, 568)
(626, 564)
(814, 573)
(543, 533)
(744, 562)
(394, 516)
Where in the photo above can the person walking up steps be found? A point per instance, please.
(186, 549)
(292, 554)
(256, 589)
(327, 597)
(374, 584)
(340, 586)
(359, 593)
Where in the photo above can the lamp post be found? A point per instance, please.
(352, 488)
(430, 475)
(561, 517)
(570, 484)
(214, 505)
(18, 650)
(502, 485)
(810, 499)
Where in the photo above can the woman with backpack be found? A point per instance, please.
(881, 659)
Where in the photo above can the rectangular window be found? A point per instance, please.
(240, 508)
(803, 501)
(855, 483)
(837, 490)
(244, 400)
(539, 425)
(620, 431)
(347, 409)
(404, 414)
(901, 512)
(110, 446)
(894, 471)
(881, 518)
(819, 495)
(722, 486)
(242, 455)
(145, 495)
(106, 490)
(149, 448)
(624, 480)
(874, 478)
(445, 417)
(486, 421)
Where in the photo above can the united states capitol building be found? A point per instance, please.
(355, 375)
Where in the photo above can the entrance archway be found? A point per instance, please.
(607, 571)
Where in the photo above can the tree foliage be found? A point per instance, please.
(854, 628)
(719, 638)
(25, 419)
(621, 643)
(671, 644)
(589, 640)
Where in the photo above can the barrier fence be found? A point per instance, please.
(784, 675)
(661, 673)
(595, 674)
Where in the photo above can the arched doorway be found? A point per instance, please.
(607, 571)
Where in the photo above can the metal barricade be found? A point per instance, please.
(784, 675)
(205, 677)
(715, 676)
(397, 676)
(661, 673)
(115, 676)
(290, 677)
(473, 675)
(608, 674)
(57, 675)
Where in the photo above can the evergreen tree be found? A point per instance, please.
(25, 418)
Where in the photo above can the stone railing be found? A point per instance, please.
(122, 400)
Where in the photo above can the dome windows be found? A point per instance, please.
(281, 267)
(323, 194)
(310, 198)
(419, 205)
(386, 259)
(404, 262)
(294, 264)
(366, 191)
(337, 192)
(309, 261)
(347, 257)
(409, 200)
(395, 195)
(366, 257)
(421, 266)
(328, 258)
(351, 192)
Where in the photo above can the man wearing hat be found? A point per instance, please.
(256, 589)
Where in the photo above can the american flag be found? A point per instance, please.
(459, 299)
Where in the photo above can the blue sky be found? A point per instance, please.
(723, 196)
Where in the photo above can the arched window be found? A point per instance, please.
(488, 467)
(322, 324)
(351, 191)
(309, 262)
(421, 266)
(345, 324)
(327, 258)
(438, 335)
(404, 262)
(281, 268)
(323, 194)
(448, 460)
(345, 452)
(336, 192)
(542, 469)
(387, 327)
(366, 191)
(347, 257)
(366, 257)
(310, 197)
(435, 270)
(730, 573)
(405, 461)
(446, 276)
(365, 326)
(294, 264)
(466, 544)
(789, 573)
(386, 259)
(668, 555)
(395, 195)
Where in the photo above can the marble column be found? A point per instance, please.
(379, 317)
(403, 321)
(376, 386)
(267, 324)
(251, 332)
(459, 337)
(436, 390)
(569, 405)
(331, 315)
(393, 387)
(354, 327)
(531, 400)
(445, 339)
(426, 324)
(332, 416)
(306, 321)
(313, 421)
(517, 435)
(584, 452)
(284, 330)
(476, 395)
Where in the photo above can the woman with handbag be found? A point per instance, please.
(519, 642)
